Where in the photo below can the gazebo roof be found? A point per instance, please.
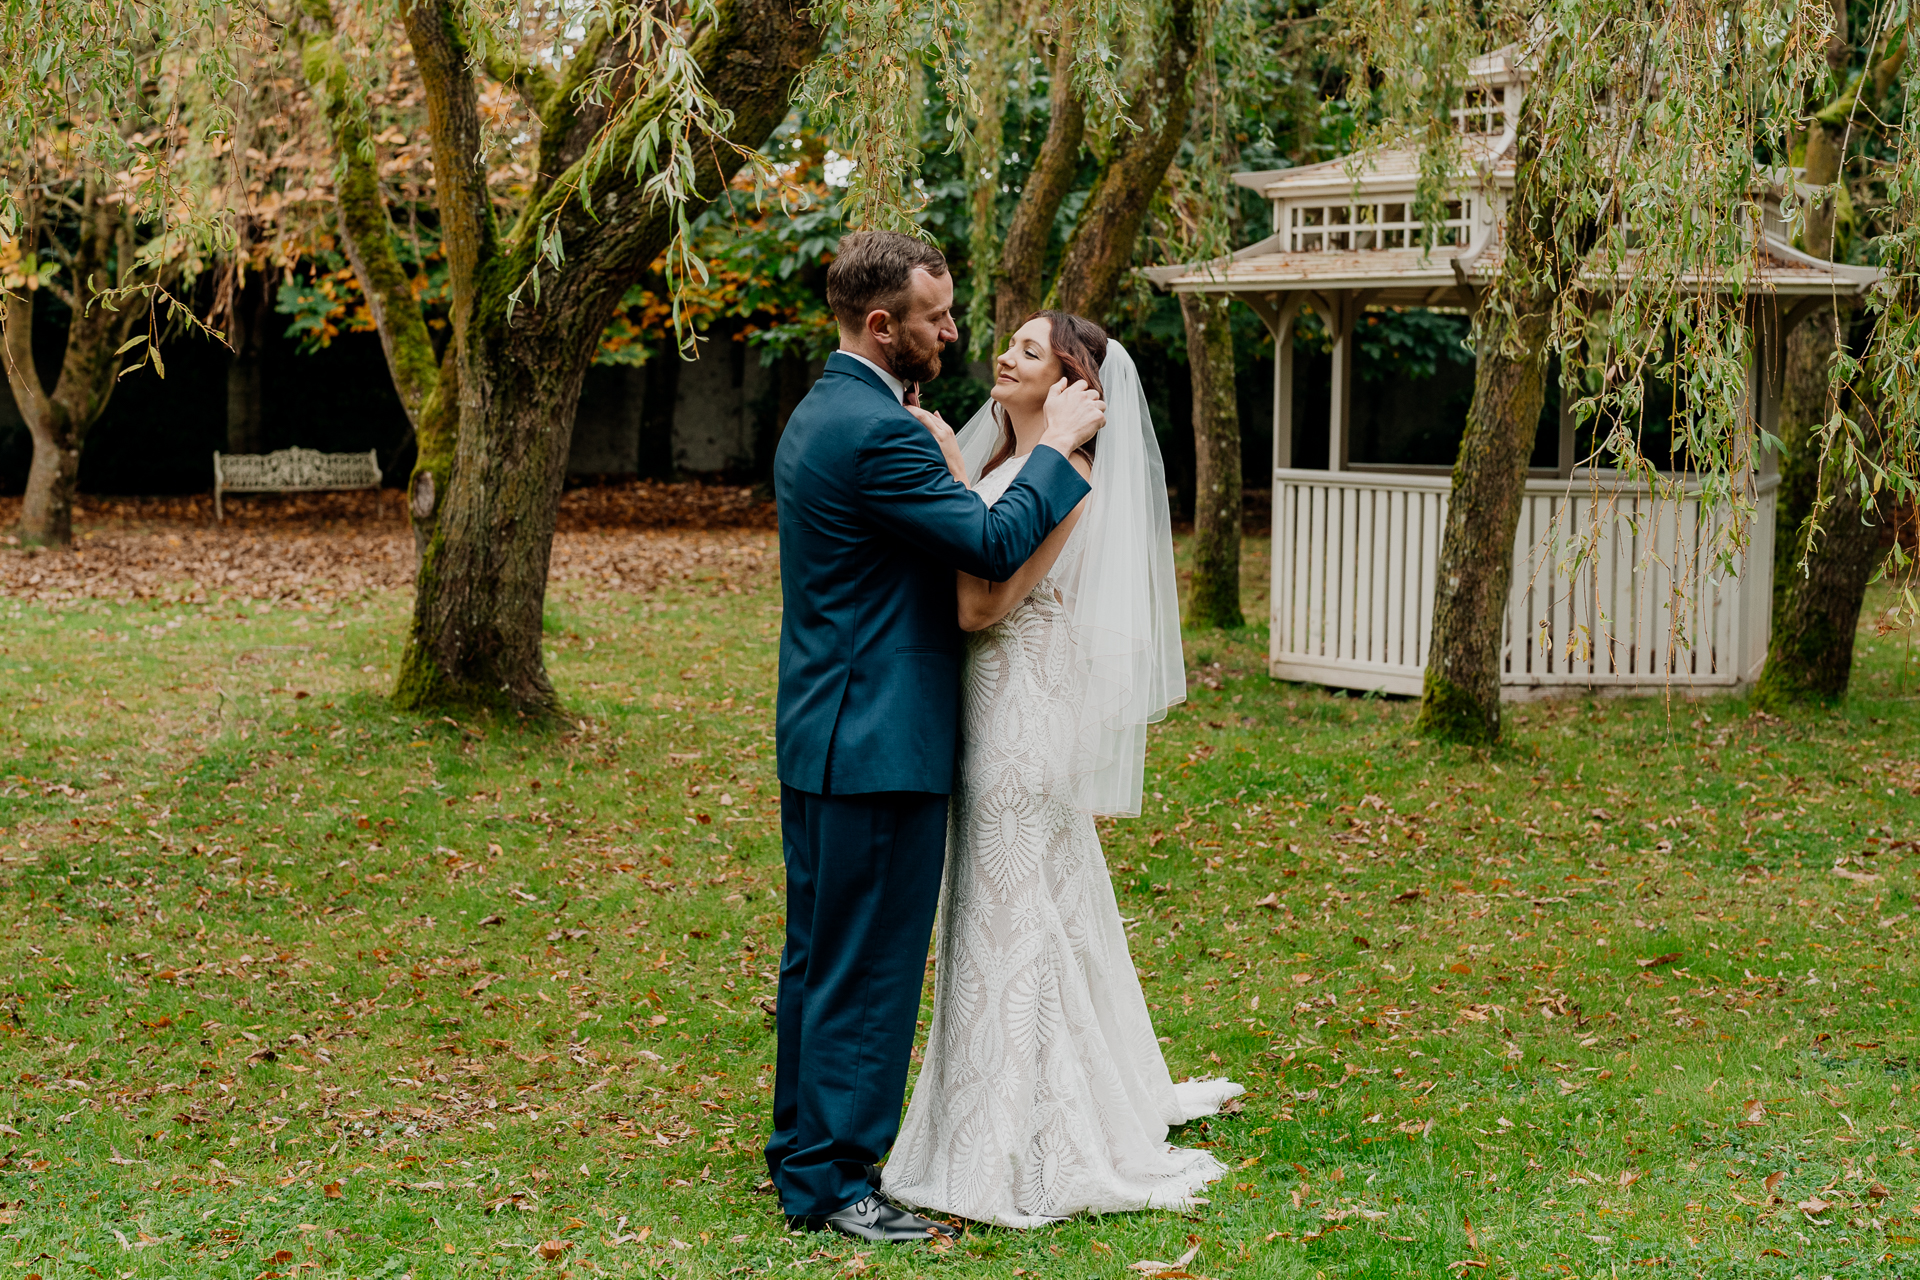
(1484, 160)
(1422, 277)
(1349, 224)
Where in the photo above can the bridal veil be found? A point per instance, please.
(1117, 583)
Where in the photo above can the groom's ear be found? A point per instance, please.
(881, 325)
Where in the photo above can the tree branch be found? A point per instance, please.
(568, 125)
(467, 233)
(366, 230)
(94, 334)
(749, 58)
(16, 346)
(1018, 275)
(1102, 243)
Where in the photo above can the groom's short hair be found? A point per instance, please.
(873, 270)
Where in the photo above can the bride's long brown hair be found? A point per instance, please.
(1081, 347)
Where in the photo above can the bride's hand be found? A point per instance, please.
(1073, 414)
(944, 437)
(932, 422)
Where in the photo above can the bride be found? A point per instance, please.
(1043, 1092)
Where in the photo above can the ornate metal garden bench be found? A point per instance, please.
(291, 471)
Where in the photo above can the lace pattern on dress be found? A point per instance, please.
(1043, 1092)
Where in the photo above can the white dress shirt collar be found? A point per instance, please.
(894, 384)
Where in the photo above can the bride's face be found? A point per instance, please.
(1027, 369)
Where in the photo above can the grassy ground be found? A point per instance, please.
(297, 986)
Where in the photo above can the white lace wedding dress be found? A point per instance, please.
(1043, 1093)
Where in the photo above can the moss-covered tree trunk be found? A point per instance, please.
(1460, 695)
(1019, 277)
(424, 382)
(1101, 249)
(1810, 653)
(1215, 598)
(1803, 407)
(1815, 612)
(494, 415)
(1460, 698)
(59, 418)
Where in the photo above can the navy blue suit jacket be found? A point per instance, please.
(872, 527)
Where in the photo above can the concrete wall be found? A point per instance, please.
(606, 431)
(721, 397)
(722, 409)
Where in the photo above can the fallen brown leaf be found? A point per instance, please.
(1149, 1267)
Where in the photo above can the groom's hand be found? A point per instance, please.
(1073, 414)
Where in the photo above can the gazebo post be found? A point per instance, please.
(1279, 316)
(1564, 458)
(1340, 320)
(1283, 384)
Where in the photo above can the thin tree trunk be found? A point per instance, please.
(58, 420)
(426, 384)
(1460, 698)
(248, 325)
(1097, 257)
(1460, 695)
(1019, 275)
(1215, 599)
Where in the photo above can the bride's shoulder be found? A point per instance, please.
(1083, 463)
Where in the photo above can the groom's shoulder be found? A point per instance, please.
(852, 408)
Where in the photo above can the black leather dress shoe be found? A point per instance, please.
(878, 1222)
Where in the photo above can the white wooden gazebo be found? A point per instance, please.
(1355, 546)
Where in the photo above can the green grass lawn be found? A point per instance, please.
(299, 986)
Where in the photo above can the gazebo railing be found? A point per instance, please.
(1355, 557)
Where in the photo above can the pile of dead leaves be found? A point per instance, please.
(320, 566)
(632, 504)
(645, 504)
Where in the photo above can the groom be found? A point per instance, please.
(872, 528)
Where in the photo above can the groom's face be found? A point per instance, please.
(914, 338)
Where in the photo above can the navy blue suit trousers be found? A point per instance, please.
(863, 876)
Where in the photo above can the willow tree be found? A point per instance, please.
(1626, 249)
(1200, 222)
(1118, 79)
(1111, 95)
(630, 118)
(1829, 524)
(1137, 103)
(1868, 446)
(109, 120)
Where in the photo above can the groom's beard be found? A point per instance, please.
(912, 363)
